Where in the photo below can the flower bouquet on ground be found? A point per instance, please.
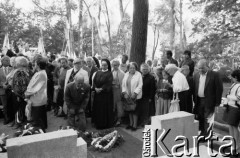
(105, 140)
(28, 129)
(102, 141)
(3, 138)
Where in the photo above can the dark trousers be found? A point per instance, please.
(4, 103)
(60, 97)
(10, 104)
(144, 111)
(152, 108)
(77, 119)
(20, 110)
(183, 101)
(203, 113)
(39, 116)
(50, 92)
(89, 106)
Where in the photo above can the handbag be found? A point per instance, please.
(129, 104)
(174, 107)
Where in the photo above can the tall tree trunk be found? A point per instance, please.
(172, 36)
(121, 9)
(108, 28)
(139, 31)
(69, 19)
(92, 25)
(122, 17)
(80, 25)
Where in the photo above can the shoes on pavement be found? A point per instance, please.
(12, 124)
(6, 122)
(129, 127)
(134, 129)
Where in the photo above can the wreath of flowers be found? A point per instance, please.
(107, 142)
(102, 141)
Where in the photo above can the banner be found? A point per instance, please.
(6, 44)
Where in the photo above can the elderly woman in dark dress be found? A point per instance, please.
(103, 116)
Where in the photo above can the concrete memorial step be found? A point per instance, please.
(169, 127)
(58, 144)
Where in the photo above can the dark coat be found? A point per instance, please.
(93, 69)
(149, 87)
(190, 63)
(212, 91)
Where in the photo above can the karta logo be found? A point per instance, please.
(181, 147)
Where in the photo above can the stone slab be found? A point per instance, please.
(178, 124)
(81, 148)
(59, 144)
(3, 155)
(179, 116)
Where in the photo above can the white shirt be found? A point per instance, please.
(201, 85)
(180, 83)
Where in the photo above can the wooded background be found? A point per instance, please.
(145, 29)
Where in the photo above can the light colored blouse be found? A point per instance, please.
(136, 84)
(180, 83)
(37, 89)
(234, 95)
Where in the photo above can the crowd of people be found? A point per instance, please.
(111, 91)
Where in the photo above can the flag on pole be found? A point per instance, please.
(41, 49)
(6, 44)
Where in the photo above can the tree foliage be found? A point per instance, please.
(219, 25)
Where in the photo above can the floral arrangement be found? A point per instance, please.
(3, 138)
(104, 141)
(28, 129)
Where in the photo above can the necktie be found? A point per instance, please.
(71, 78)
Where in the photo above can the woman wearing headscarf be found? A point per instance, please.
(102, 114)
(180, 85)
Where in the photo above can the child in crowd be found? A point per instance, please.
(164, 93)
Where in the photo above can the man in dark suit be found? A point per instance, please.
(93, 69)
(208, 90)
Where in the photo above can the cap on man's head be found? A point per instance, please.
(77, 61)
